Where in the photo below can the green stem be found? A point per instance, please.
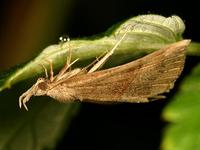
(194, 49)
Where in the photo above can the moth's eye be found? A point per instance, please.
(43, 86)
(40, 79)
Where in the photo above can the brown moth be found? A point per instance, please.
(138, 81)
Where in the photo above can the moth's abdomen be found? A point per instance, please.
(62, 93)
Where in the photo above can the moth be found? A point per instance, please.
(142, 80)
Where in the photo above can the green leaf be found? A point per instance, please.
(183, 112)
(147, 33)
(43, 125)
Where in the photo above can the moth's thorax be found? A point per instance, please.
(62, 93)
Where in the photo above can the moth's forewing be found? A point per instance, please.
(136, 81)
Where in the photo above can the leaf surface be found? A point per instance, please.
(183, 113)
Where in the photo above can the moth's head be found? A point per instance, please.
(41, 86)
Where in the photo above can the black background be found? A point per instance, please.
(123, 126)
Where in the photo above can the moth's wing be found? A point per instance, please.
(136, 81)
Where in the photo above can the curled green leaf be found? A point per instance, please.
(147, 33)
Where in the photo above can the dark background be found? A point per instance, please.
(120, 126)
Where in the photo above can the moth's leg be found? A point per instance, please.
(51, 69)
(69, 53)
(61, 75)
(45, 70)
(94, 62)
(68, 75)
(68, 63)
(101, 62)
